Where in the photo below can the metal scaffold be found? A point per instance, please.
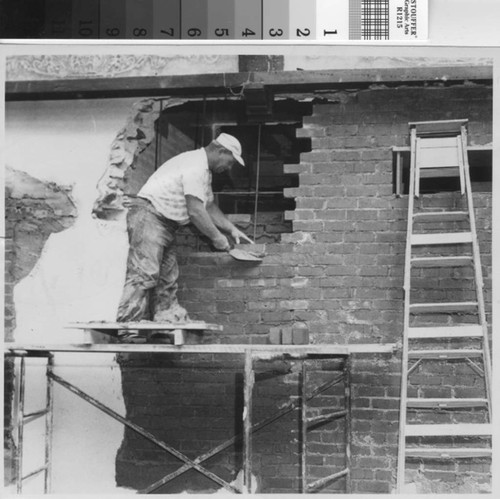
(250, 353)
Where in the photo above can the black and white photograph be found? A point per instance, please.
(248, 270)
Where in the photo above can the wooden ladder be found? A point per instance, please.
(437, 330)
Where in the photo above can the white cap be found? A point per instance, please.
(232, 144)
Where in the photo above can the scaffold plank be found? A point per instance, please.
(291, 350)
(144, 326)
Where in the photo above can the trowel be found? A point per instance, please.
(245, 256)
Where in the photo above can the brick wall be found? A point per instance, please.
(340, 274)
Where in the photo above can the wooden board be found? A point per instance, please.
(291, 350)
(439, 430)
(438, 127)
(441, 238)
(443, 453)
(144, 326)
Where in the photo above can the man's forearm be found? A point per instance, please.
(219, 219)
(202, 219)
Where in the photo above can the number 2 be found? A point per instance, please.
(304, 32)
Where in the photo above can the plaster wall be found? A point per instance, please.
(78, 277)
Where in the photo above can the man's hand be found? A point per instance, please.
(221, 243)
(236, 234)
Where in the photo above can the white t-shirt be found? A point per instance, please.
(184, 174)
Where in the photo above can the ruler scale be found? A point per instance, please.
(224, 20)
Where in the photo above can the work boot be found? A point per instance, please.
(175, 314)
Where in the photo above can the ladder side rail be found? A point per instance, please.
(416, 162)
(477, 271)
(461, 162)
(406, 326)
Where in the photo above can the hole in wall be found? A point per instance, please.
(252, 196)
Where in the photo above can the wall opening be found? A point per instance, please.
(250, 195)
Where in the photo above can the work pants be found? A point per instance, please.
(152, 271)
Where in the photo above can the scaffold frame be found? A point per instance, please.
(251, 353)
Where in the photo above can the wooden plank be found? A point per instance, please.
(450, 452)
(437, 158)
(442, 261)
(293, 350)
(183, 84)
(444, 354)
(439, 142)
(298, 350)
(445, 332)
(481, 147)
(441, 238)
(442, 430)
(415, 164)
(442, 172)
(462, 153)
(438, 127)
(441, 216)
(446, 403)
(429, 308)
(145, 326)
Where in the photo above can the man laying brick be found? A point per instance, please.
(179, 192)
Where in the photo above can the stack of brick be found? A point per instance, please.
(291, 335)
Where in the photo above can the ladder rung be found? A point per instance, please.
(441, 216)
(441, 261)
(439, 171)
(444, 354)
(463, 306)
(447, 453)
(430, 403)
(439, 430)
(441, 238)
(326, 417)
(445, 332)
